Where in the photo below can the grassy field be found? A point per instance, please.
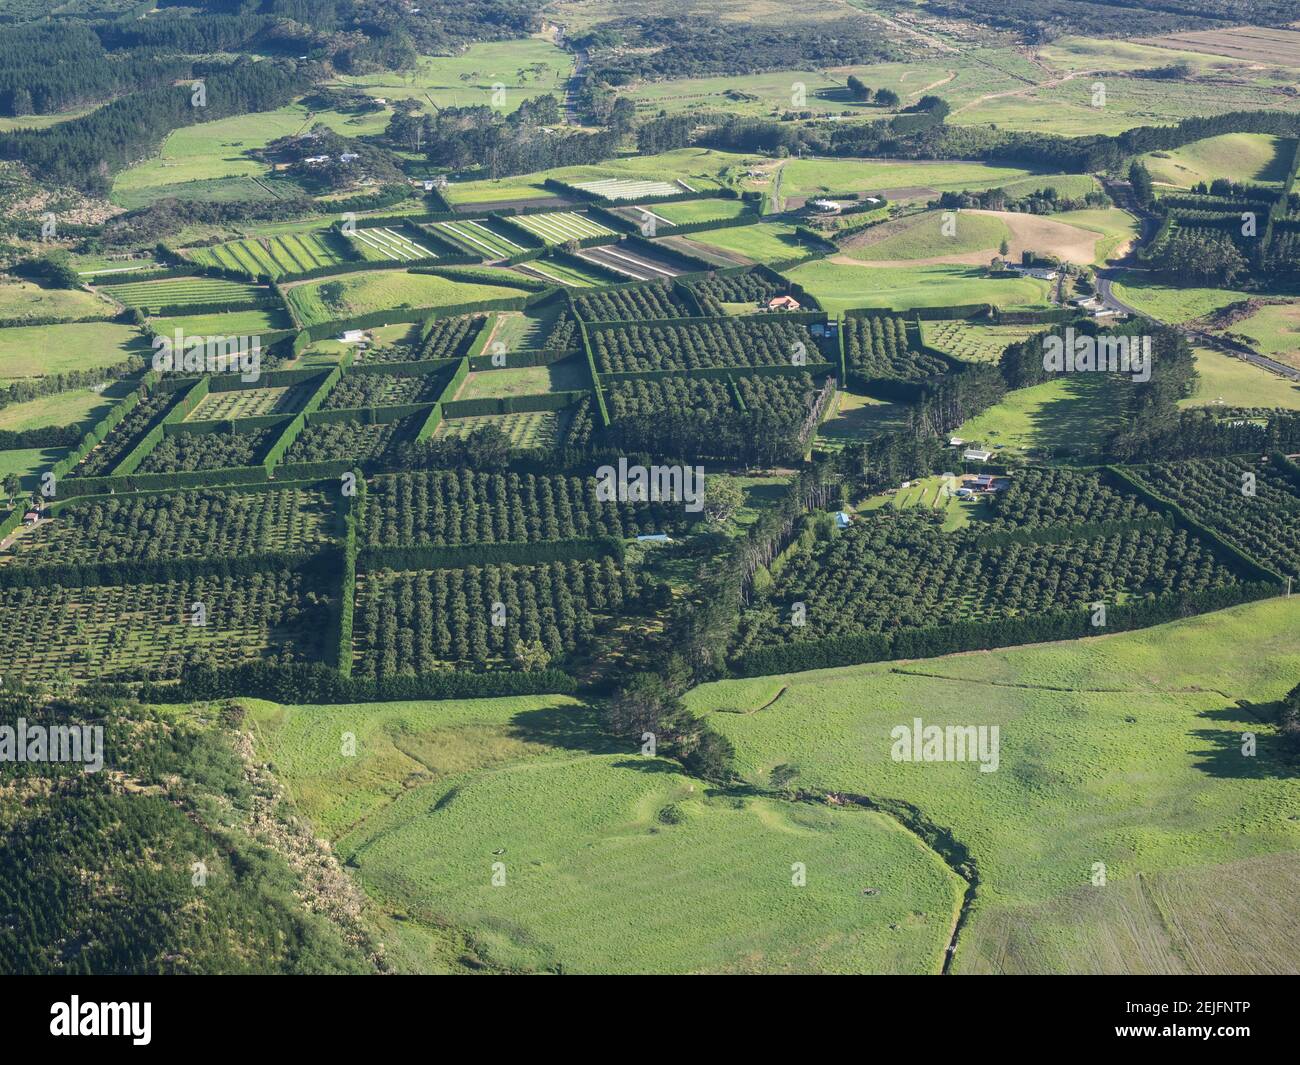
(523, 69)
(601, 851)
(1256, 158)
(1274, 330)
(28, 463)
(691, 211)
(974, 341)
(233, 323)
(22, 299)
(931, 234)
(1230, 382)
(40, 350)
(211, 151)
(353, 294)
(763, 242)
(1170, 304)
(857, 418)
(563, 376)
(79, 406)
(809, 177)
(1069, 413)
(838, 286)
(1122, 750)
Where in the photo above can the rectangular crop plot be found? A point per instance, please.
(289, 253)
(480, 236)
(529, 429)
(187, 452)
(441, 508)
(559, 227)
(361, 443)
(182, 292)
(636, 265)
(385, 390)
(421, 621)
(384, 243)
(898, 569)
(250, 403)
(632, 189)
(179, 525)
(753, 340)
(122, 632)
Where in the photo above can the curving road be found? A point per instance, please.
(1121, 192)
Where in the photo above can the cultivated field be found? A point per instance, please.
(526, 429)
(560, 227)
(385, 243)
(289, 253)
(974, 341)
(179, 291)
(483, 237)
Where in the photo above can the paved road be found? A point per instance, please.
(573, 87)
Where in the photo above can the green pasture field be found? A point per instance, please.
(1122, 750)
(23, 299)
(81, 406)
(811, 177)
(520, 331)
(1169, 304)
(29, 462)
(1256, 158)
(762, 242)
(1070, 413)
(855, 419)
(176, 291)
(41, 350)
(923, 236)
(1231, 382)
(232, 323)
(1274, 330)
(974, 341)
(10, 123)
(361, 293)
(287, 253)
(1067, 108)
(688, 212)
(601, 851)
(839, 286)
(567, 375)
(528, 429)
(211, 151)
(524, 68)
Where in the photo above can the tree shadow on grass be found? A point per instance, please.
(1079, 421)
(1225, 752)
(571, 728)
